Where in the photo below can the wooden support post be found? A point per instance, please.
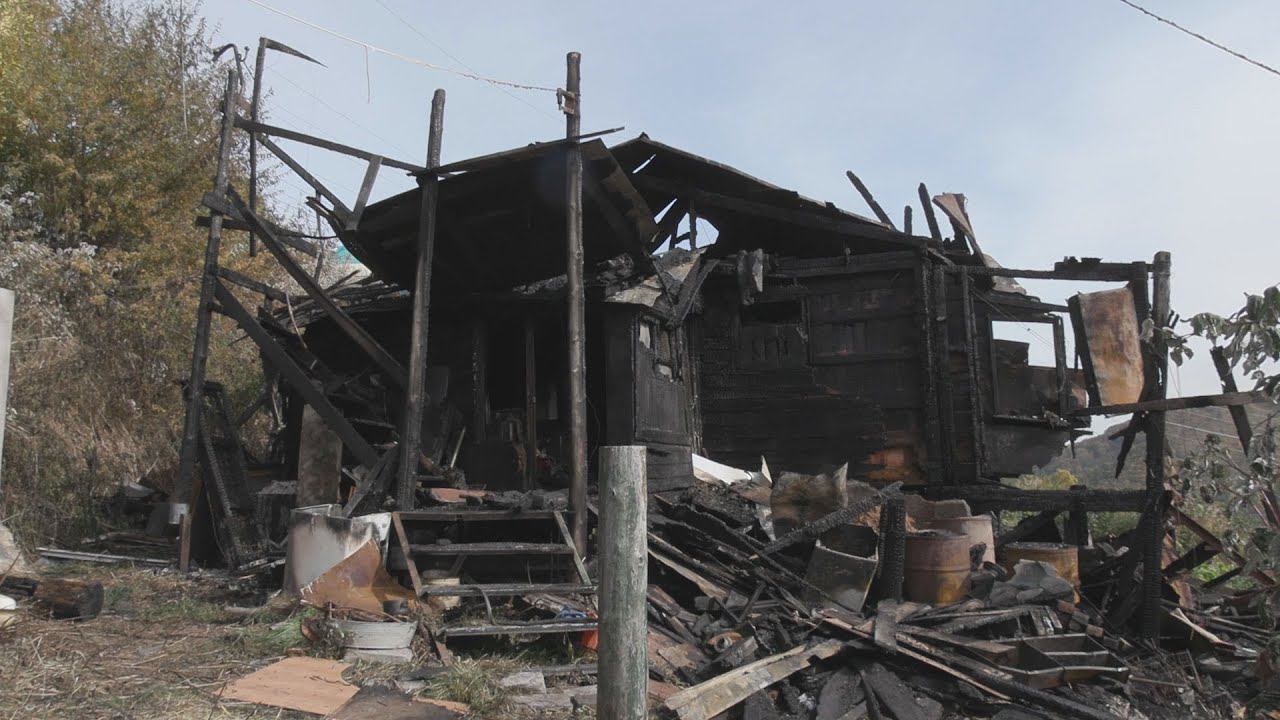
(411, 431)
(893, 531)
(1154, 529)
(1077, 525)
(479, 380)
(1239, 416)
(204, 320)
(977, 415)
(530, 402)
(577, 305)
(259, 64)
(934, 232)
(942, 370)
(623, 548)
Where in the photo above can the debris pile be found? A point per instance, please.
(747, 623)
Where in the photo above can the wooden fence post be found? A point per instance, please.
(623, 553)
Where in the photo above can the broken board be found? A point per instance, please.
(307, 684)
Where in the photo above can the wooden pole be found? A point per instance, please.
(1154, 530)
(414, 399)
(624, 671)
(204, 320)
(259, 64)
(530, 403)
(577, 305)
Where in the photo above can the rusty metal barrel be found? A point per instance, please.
(1064, 558)
(936, 567)
(978, 528)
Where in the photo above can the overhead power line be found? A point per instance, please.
(368, 47)
(1201, 38)
(457, 59)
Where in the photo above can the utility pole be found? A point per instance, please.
(411, 432)
(577, 304)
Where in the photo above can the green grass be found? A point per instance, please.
(267, 637)
(474, 681)
(185, 609)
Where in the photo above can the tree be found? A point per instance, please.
(108, 139)
(1245, 489)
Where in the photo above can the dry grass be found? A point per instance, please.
(162, 648)
(165, 644)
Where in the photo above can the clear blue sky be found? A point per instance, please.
(1080, 127)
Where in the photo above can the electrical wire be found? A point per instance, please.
(339, 113)
(458, 60)
(1200, 429)
(1200, 37)
(406, 58)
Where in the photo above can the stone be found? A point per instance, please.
(397, 655)
(12, 561)
(526, 682)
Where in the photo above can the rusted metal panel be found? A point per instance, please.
(1107, 339)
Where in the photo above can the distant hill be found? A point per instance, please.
(1094, 461)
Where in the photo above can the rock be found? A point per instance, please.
(11, 559)
(527, 682)
(397, 655)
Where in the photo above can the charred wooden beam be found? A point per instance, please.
(668, 224)
(249, 283)
(999, 497)
(530, 402)
(1161, 405)
(1239, 416)
(839, 517)
(1109, 272)
(339, 207)
(506, 157)
(64, 598)
(414, 399)
(366, 187)
(294, 135)
(1153, 533)
(977, 413)
(929, 215)
(200, 352)
(869, 199)
(1027, 527)
(801, 218)
(295, 376)
(689, 291)
(292, 238)
(350, 327)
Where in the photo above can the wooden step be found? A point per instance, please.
(493, 548)
(451, 514)
(530, 628)
(507, 589)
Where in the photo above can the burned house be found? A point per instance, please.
(526, 308)
(800, 332)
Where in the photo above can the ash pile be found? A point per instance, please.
(765, 603)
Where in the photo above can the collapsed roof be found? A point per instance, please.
(510, 205)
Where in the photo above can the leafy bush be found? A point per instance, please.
(108, 139)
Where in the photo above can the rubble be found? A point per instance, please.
(862, 575)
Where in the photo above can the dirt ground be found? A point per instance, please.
(165, 644)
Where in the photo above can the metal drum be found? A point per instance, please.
(1064, 558)
(936, 570)
(978, 528)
